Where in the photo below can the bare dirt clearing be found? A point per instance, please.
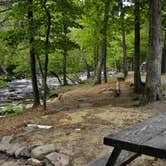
(82, 118)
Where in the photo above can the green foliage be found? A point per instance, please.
(76, 27)
(2, 83)
(11, 110)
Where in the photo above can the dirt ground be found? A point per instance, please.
(82, 117)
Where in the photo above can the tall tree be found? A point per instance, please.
(153, 80)
(163, 67)
(103, 57)
(123, 31)
(32, 56)
(48, 27)
(65, 51)
(138, 86)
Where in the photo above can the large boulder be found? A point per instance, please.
(57, 159)
(40, 151)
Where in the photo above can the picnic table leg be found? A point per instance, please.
(114, 156)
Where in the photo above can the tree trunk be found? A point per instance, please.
(98, 72)
(132, 64)
(56, 75)
(102, 61)
(64, 52)
(153, 80)
(138, 86)
(36, 96)
(64, 67)
(115, 64)
(125, 64)
(87, 69)
(46, 55)
(96, 57)
(105, 58)
(40, 66)
(163, 67)
(118, 66)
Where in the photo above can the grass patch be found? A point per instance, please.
(2, 83)
(12, 110)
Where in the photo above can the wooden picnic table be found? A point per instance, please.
(147, 137)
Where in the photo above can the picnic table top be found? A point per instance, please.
(148, 137)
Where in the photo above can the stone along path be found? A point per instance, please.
(23, 154)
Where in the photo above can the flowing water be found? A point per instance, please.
(20, 90)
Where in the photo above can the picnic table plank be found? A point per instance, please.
(132, 137)
(156, 146)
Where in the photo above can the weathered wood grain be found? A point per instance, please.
(156, 146)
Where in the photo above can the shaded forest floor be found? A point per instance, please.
(82, 117)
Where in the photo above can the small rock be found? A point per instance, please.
(28, 106)
(23, 151)
(77, 129)
(3, 147)
(34, 162)
(57, 159)
(12, 148)
(39, 126)
(10, 163)
(25, 131)
(40, 151)
(6, 139)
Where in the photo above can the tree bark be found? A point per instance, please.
(138, 86)
(36, 96)
(96, 57)
(64, 67)
(125, 64)
(40, 66)
(103, 58)
(56, 75)
(163, 67)
(65, 53)
(153, 80)
(87, 69)
(46, 54)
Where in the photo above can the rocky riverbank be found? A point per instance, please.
(23, 154)
(19, 91)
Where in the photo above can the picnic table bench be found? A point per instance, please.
(147, 137)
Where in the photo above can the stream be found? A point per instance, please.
(20, 91)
